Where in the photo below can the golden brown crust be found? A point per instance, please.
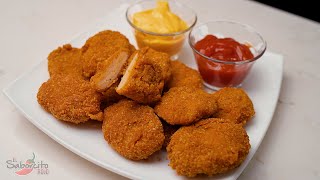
(234, 104)
(182, 75)
(100, 47)
(65, 60)
(210, 147)
(145, 76)
(185, 105)
(69, 98)
(132, 49)
(133, 130)
(99, 116)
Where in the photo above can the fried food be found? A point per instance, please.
(210, 147)
(100, 47)
(234, 104)
(109, 80)
(145, 76)
(168, 130)
(110, 96)
(132, 49)
(185, 105)
(133, 130)
(182, 75)
(70, 98)
(65, 60)
(109, 71)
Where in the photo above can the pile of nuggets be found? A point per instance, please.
(148, 102)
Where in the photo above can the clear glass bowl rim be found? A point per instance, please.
(249, 28)
(159, 34)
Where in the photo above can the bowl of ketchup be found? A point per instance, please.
(225, 52)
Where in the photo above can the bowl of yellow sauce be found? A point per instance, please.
(161, 25)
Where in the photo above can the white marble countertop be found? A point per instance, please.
(290, 150)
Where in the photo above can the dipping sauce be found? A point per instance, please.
(229, 72)
(160, 21)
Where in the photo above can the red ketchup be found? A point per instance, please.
(227, 50)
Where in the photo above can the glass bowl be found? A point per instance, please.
(168, 43)
(218, 73)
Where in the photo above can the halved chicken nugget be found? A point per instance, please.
(100, 47)
(145, 76)
(109, 71)
(183, 75)
(133, 130)
(185, 105)
(210, 147)
(65, 60)
(234, 104)
(110, 96)
(70, 98)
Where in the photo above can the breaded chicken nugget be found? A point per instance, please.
(210, 147)
(182, 75)
(133, 130)
(185, 105)
(145, 76)
(109, 71)
(100, 47)
(110, 95)
(168, 130)
(70, 98)
(65, 60)
(234, 104)
(132, 49)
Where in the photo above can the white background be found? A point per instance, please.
(31, 29)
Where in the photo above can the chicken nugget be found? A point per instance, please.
(65, 60)
(70, 98)
(210, 147)
(185, 105)
(168, 130)
(133, 130)
(110, 70)
(110, 96)
(234, 104)
(183, 75)
(145, 76)
(132, 49)
(100, 47)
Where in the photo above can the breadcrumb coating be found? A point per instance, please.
(65, 60)
(210, 147)
(69, 98)
(100, 47)
(185, 105)
(234, 104)
(145, 76)
(132, 49)
(133, 130)
(183, 75)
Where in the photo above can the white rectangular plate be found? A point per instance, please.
(86, 140)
